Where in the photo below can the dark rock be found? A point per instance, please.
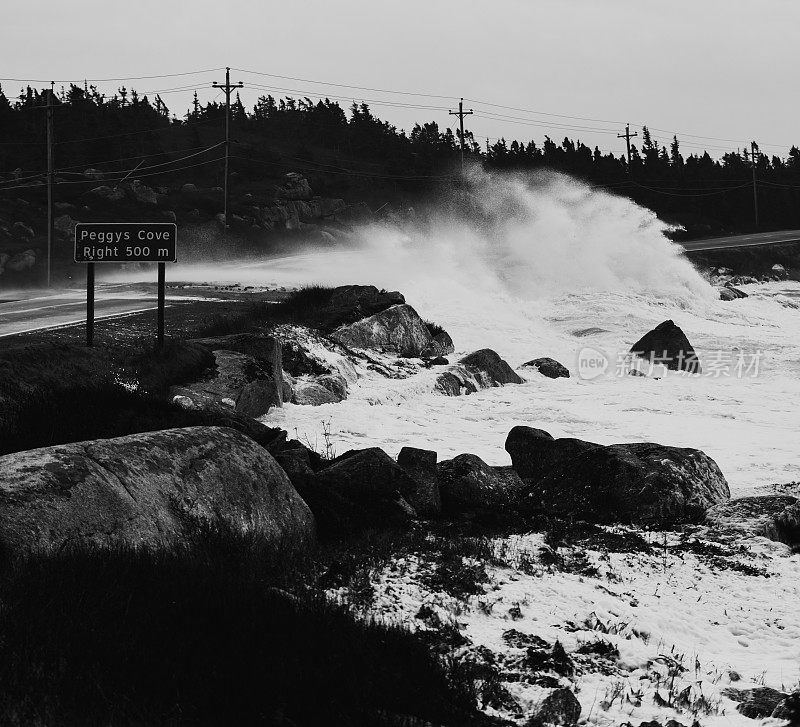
(335, 383)
(420, 465)
(789, 709)
(549, 367)
(478, 370)
(756, 703)
(438, 361)
(776, 517)
(470, 486)
(295, 187)
(642, 483)
(398, 330)
(534, 452)
(560, 707)
(233, 374)
(442, 345)
(728, 292)
(667, 344)
(309, 393)
(369, 490)
(144, 489)
(364, 298)
(489, 367)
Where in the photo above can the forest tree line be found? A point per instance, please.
(353, 152)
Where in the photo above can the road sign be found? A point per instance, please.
(126, 242)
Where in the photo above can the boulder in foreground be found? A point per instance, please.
(145, 489)
(667, 345)
(643, 483)
(469, 486)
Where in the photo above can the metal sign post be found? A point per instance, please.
(125, 242)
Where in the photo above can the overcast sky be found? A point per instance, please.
(714, 68)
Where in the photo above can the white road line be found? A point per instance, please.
(43, 307)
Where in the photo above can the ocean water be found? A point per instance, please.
(546, 266)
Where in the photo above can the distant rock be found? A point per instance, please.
(549, 367)
(398, 329)
(420, 466)
(481, 369)
(643, 483)
(310, 393)
(667, 345)
(756, 703)
(143, 194)
(21, 261)
(470, 486)
(189, 188)
(295, 187)
(361, 301)
(65, 226)
(96, 174)
(144, 489)
(110, 194)
(169, 216)
(728, 292)
(335, 383)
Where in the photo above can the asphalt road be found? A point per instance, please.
(63, 308)
(755, 239)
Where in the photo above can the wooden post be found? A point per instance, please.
(89, 304)
(161, 295)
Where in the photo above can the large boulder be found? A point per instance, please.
(64, 225)
(549, 367)
(420, 466)
(668, 346)
(728, 292)
(369, 488)
(481, 369)
(469, 486)
(397, 330)
(442, 345)
(535, 453)
(633, 483)
(146, 489)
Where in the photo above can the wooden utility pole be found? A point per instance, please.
(461, 114)
(50, 217)
(628, 136)
(753, 160)
(227, 87)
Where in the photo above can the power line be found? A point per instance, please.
(77, 81)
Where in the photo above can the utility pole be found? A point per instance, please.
(461, 114)
(753, 159)
(628, 136)
(227, 87)
(50, 218)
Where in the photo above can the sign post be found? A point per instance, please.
(125, 242)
